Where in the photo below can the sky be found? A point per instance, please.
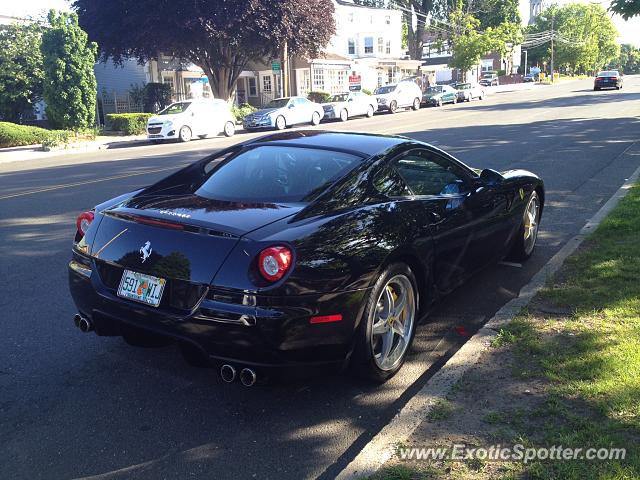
(629, 31)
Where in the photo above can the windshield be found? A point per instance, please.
(278, 103)
(432, 90)
(463, 86)
(385, 89)
(342, 97)
(175, 108)
(276, 174)
(608, 74)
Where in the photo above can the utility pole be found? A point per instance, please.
(553, 34)
(525, 61)
(284, 70)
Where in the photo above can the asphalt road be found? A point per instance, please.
(74, 405)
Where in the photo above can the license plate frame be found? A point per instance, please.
(146, 289)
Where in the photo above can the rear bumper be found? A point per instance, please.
(263, 332)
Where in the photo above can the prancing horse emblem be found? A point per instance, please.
(145, 251)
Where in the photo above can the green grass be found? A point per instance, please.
(442, 410)
(588, 362)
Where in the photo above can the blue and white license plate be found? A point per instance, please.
(141, 288)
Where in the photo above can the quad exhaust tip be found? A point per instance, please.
(228, 373)
(83, 323)
(248, 377)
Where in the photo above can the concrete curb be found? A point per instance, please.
(381, 448)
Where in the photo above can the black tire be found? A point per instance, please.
(229, 129)
(439, 103)
(315, 119)
(363, 361)
(393, 106)
(416, 104)
(371, 110)
(595, 89)
(344, 115)
(455, 100)
(520, 250)
(281, 123)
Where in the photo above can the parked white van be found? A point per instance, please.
(400, 95)
(189, 118)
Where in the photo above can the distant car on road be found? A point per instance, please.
(400, 95)
(608, 79)
(489, 80)
(284, 112)
(439, 94)
(349, 104)
(469, 91)
(184, 120)
(528, 78)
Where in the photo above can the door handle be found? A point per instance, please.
(435, 216)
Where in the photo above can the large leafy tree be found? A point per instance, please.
(21, 74)
(221, 36)
(70, 83)
(585, 38)
(493, 13)
(629, 58)
(625, 8)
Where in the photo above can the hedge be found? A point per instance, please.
(13, 135)
(319, 97)
(239, 112)
(129, 123)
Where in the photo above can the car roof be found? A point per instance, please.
(365, 144)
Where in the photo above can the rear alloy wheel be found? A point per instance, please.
(439, 103)
(388, 325)
(281, 123)
(528, 233)
(315, 118)
(344, 115)
(416, 104)
(393, 106)
(370, 111)
(229, 129)
(185, 134)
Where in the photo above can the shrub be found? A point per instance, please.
(12, 135)
(319, 97)
(239, 112)
(129, 123)
(156, 96)
(366, 91)
(55, 138)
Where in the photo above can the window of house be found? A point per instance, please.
(352, 46)
(266, 84)
(388, 47)
(253, 87)
(380, 45)
(304, 82)
(368, 44)
(318, 79)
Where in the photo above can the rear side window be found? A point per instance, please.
(276, 174)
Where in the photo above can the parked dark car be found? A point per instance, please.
(608, 79)
(299, 249)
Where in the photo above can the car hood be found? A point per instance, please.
(333, 105)
(265, 111)
(189, 236)
(163, 118)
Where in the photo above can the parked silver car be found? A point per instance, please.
(469, 91)
(402, 95)
(349, 104)
(284, 112)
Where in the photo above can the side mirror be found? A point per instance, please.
(350, 100)
(291, 105)
(491, 177)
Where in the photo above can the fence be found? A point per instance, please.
(116, 103)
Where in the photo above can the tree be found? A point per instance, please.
(493, 13)
(221, 36)
(629, 59)
(70, 84)
(585, 37)
(625, 8)
(21, 75)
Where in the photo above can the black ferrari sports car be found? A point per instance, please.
(298, 249)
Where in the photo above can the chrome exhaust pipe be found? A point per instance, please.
(83, 323)
(248, 377)
(228, 373)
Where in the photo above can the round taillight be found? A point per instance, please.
(83, 222)
(273, 262)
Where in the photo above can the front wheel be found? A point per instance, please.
(388, 324)
(185, 134)
(370, 111)
(280, 123)
(416, 104)
(229, 129)
(393, 107)
(439, 103)
(527, 235)
(315, 118)
(344, 115)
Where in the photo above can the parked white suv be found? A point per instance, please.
(184, 120)
(400, 95)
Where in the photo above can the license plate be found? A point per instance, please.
(141, 288)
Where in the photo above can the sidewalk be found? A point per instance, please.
(33, 152)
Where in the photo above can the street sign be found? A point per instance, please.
(275, 67)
